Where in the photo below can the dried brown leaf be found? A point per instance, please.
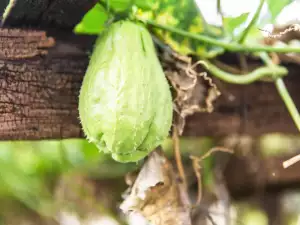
(195, 92)
(157, 195)
(286, 34)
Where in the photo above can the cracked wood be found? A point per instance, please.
(41, 75)
(39, 83)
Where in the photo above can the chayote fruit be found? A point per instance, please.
(125, 103)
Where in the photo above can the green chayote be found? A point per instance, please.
(125, 103)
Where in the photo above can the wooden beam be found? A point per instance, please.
(245, 177)
(41, 75)
(252, 109)
(40, 79)
(44, 13)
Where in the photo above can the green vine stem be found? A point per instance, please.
(245, 78)
(233, 47)
(252, 22)
(289, 103)
(283, 92)
(7, 11)
(255, 75)
(220, 12)
(271, 70)
(204, 23)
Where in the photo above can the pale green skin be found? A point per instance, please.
(125, 103)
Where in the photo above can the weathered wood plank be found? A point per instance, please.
(61, 14)
(40, 79)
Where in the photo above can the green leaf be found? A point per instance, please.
(232, 23)
(119, 6)
(27, 167)
(29, 190)
(276, 6)
(145, 4)
(93, 21)
(185, 15)
(52, 157)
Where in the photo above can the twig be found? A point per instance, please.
(215, 149)
(291, 161)
(196, 166)
(178, 156)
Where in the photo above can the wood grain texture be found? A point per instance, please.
(252, 109)
(245, 177)
(40, 78)
(41, 74)
(61, 14)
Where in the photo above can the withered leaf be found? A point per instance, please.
(157, 195)
(281, 36)
(195, 92)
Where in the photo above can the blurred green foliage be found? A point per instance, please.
(277, 144)
(250, 214)
(30, 169)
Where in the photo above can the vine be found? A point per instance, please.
(229, 46)
(271, 70)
